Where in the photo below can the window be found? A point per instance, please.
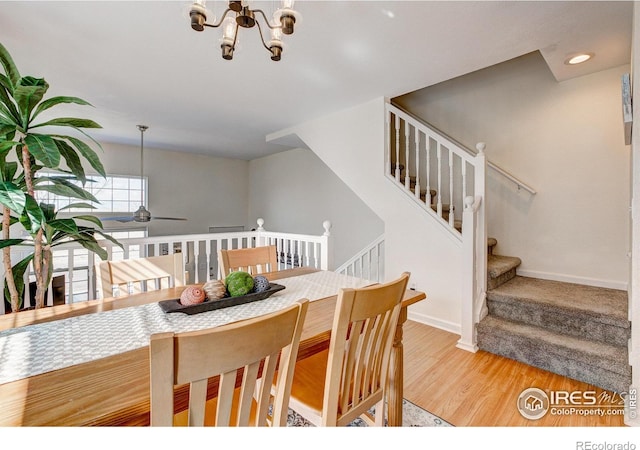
(115, 193)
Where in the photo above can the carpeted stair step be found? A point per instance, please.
(501, 269)
(589, 312)
(596, 363)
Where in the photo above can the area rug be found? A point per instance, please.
(412, 416)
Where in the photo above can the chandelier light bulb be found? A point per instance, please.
(240, 14)
(198, 14)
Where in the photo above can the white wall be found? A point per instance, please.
(634, 291)
(295, 192)
(206, 190)
(563, 139)
(351, 143)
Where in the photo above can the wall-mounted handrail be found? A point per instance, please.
(520, 184)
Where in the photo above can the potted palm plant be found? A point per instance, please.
(29, 144)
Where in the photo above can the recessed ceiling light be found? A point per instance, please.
(579, 58)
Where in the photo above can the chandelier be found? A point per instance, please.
(239, 14)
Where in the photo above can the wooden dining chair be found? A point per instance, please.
(253, 260)
(253, 347)
(338, 385)
(136, 275)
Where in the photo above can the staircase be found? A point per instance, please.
(577, 331)
(569, 329)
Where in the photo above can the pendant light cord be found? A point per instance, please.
(142, 129)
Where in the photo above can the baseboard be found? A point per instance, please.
(425, 319)
(620, 285)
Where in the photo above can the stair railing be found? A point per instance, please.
(435, 170)
(368, 263)
(448, 181)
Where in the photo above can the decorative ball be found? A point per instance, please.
(260, 283)
(239, 283)
(192, 295)
(215, 289)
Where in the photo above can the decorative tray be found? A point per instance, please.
(170, 306)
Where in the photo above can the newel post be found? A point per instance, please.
(260, 240)
(326, 247)
(481, 218)
(469, 280)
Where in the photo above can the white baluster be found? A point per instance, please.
(439, 205)
(463, 168)
(69, 273)
(196, 259)
(397, 129)
(427, 144)
(417, 138)
(407, 133)
(307, 253)
(387, 141)
(125, 253)
(208, 257)
(451, 215)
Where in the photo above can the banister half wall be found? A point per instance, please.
(199, 253)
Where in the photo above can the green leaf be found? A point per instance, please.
(10, 242)
(5, 129)
(18, 276)
(32, 217)
(7, 104)
(66, 189)
(88, 153)
(28, 93)
(69, 122)
(94, 247)
(72, 159)
(12, 197)
(53, 101)
(109, 238)
(9, 170)
(88, 218)
(9, 66)
(44, 149)
(78, 206)
(48, 210)
(65, 225)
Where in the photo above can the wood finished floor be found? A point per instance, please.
(479, 389)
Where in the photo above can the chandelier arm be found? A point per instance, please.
(264, 44)
(273, 27)
(217, 25)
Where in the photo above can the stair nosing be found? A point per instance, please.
(602, 350)
(497, 295)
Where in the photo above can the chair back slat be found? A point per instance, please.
(136, 275)
(360, 349)
(252, 260)
(253, 346)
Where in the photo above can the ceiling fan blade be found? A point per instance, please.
(168, 218)
(119, 219)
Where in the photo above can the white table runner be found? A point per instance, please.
(40, 348)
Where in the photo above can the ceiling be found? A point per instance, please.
(141, 63)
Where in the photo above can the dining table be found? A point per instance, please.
(87, 363)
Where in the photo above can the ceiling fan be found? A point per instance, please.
(142, 214)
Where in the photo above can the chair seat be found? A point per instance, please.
(307, 389)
